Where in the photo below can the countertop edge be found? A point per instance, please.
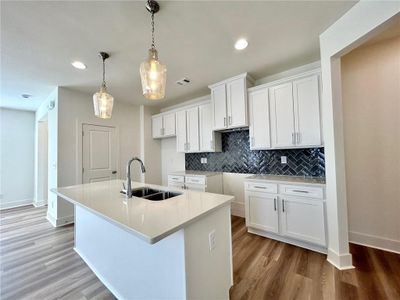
(150, 240)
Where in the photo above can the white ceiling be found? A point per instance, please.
(194, 38)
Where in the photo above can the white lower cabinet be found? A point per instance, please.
(298, 220)
(262, 211)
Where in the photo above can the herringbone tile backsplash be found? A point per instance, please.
(236, 157)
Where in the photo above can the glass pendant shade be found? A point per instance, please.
(103, 103)
(154, 76)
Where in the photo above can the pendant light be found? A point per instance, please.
(103, 101)
(152, 72)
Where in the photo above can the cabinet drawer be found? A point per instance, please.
(175, 178)
(262, 187)
(195, 180)
(302, 191)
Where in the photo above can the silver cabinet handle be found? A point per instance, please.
(260, 187)
(224, 121)
(293, 141)
(274, 204)
(298, 138)
(300, 191)
(230, 120)
(283, 205)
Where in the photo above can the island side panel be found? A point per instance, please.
(209, 272)
(130, 267)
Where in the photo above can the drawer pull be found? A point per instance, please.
(260, 187)
(300, 191)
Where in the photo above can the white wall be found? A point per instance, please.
(170, 159)
(75, 108)
(371, 110)
(150, 149)
(42, 164)
(354, 27)
(17, 157)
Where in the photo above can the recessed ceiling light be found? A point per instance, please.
(26, 96)
(241, 44)
(79, 65)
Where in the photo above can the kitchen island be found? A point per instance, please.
(178, 248)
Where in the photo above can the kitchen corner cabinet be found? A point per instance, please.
(210, 141)
(163, 125)
(295, 113)
(187, 133)
(229, 102)
(259, 129)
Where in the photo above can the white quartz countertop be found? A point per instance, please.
(288, 179)
(194, 173)
(148, 220)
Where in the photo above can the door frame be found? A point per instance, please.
(79, 148)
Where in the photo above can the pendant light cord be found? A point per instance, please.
(153, 46)
(104, 73)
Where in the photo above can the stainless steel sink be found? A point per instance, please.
(144, 191)
(161, 196)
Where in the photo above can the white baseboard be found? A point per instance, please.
(57, 222)
(237, 209)
(17, 203)
(340, 261)
(40, 203)
(374, 241)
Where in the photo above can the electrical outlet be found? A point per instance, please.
(283, 160)
(203, 160)
(211, 240)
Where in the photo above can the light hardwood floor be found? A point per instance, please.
(38, 262)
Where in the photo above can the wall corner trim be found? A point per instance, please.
(340, 261)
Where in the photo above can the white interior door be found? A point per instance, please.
(99, 156)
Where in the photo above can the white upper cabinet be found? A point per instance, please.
(282, 117)
(229, 100)
(192, 130)
(307, 111)
(218, 94)
(295, 113)
(157, 126)
(163, 125)
(237, 103)
(259, 120)
(210, 141)
(181, 131)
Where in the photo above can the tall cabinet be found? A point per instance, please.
(187, 136)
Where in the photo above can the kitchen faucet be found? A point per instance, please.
(128, 175)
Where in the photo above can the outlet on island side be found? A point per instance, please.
(211, 240)
(283, 160)
(203, 160)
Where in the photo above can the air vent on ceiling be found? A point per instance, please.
(183, 81)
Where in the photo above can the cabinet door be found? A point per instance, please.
(303, 219)
(307, 112)
(207, 143)
(169, 125)
(259, 120)
(282, 116)
(218, 97)
(181, 131)
(262, 211)
(192, 127)
(157, 126)
(237, 103)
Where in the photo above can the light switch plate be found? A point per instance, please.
(211, 240)
(283, 160)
